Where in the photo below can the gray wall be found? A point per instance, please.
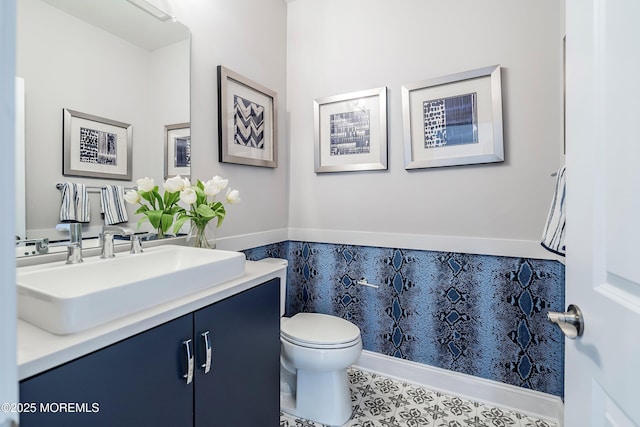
(248, 37)
(340, 46)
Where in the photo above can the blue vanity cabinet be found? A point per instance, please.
(140, 381)
(242, 388)
(135, 382)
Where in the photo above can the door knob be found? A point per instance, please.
(570, 322)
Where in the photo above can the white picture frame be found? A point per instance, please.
(453, 120)
(351, 131)
(96, 147)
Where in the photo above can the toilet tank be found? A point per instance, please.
(283, 280)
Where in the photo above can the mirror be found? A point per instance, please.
(106, 58)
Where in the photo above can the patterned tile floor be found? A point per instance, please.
(384, 402)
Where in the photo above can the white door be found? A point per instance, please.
(602, 369)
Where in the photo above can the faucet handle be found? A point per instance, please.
(117, 230)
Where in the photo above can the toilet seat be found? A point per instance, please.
(320, 331)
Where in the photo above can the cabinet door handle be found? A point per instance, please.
(190, 361)
(207, 346)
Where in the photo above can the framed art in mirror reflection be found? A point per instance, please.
(95, 146)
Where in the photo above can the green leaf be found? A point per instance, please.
(165, 222)
(175, 210)
(155, 217)
(158, 197)
(220, 212)
(201, 198)
(148, 196)
(205, 212)
(170, 199)
(179, 223)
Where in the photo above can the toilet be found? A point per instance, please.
(316, 350)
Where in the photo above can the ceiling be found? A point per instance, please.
(123, 19)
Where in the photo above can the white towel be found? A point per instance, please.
(553, 235)
(75, 203)
(112, 204)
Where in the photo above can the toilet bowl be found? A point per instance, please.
(316, 350)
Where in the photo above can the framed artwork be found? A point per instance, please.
(247, 119)
(453, 120)
(95, 147)
(177, 150)
(351, 131)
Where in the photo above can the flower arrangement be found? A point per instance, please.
(200, 199)
(158, 210)
(203, 207)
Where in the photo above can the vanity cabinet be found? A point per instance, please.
(141, 381)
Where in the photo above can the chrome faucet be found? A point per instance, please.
(74, 253)
(108, 231)
(74, 229)
(42, 245)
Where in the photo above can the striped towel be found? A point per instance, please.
(112, 204)
(553, 235)
(75, 204)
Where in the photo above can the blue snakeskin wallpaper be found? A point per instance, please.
(476, 314)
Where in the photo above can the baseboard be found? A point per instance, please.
(529, 402)
(241, 242)
(460, 244)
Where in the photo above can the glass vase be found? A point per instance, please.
(201, 235)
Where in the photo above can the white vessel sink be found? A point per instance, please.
(64, 299)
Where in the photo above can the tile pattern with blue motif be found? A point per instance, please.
(476, 314)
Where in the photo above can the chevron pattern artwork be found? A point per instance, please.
(248, 120)
(476, 314)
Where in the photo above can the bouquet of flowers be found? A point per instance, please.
(162, 210)
(203, 207)
(158, 209)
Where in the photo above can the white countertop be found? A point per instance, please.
(39, 350)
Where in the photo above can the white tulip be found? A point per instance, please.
(211, 188)
(233, 196)
(187, 183)
(132, 197)
(221, 183)
(174, 184)
(188, 196)
(145, 184)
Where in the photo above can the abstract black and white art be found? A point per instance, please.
(98, 147)
(248, 125)
(182, 156)
(350, 133)
(450, 121)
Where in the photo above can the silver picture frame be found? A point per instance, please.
(95, 147)
(351, 131)
(247, 121)
(453, 120)
(177, 150)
